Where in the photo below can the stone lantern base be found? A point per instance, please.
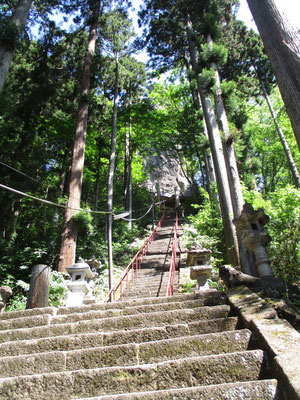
(77, 292)
(201, 273)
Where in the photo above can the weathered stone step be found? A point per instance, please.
(96, 339)
(254, 390)
(119, 319)
(27, 313)
(115, 323)
(144, 308)
(74, 317)
(126, 354)
(205, 370)
(133, 296)
(25, 322)
(208, 299)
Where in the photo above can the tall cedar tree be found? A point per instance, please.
(69, 230)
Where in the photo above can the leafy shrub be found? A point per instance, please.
(283, 208)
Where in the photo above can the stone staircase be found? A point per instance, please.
(187, 346)
(180, 347)
(153, 276)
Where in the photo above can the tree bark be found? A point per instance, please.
(38, 295)
(231, 166)
(282, 44)
(14, 29)
(218, 157)
(209, 167)
(111, 173)
(69, 231)
(128, 169)
(282, 138)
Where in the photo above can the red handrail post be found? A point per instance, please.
(138, 259)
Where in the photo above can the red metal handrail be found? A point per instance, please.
(170, 286)
(133, 266)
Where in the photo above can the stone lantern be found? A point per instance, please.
(5, 294)
(200, 270)
(251, 224)
(80, 285)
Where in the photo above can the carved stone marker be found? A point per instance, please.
(80, 284)
(197, 259)
(5, 294)
(38, 295)
(251, 224)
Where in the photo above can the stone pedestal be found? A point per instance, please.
(80, 284)
(201, 273)
(197, 258)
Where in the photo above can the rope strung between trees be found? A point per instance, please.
(149, 209)
(51, 203)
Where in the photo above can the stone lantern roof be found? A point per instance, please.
(252, 217)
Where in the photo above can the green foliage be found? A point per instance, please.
(84, 220)
(205, 229)
(57, 292)
(284, 212)
(57, 289)
(214, 53)
(207, 79)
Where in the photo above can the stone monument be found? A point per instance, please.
(81, 284)
(250, 225)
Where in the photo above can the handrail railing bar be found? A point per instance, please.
(170, 285)
(127, 269)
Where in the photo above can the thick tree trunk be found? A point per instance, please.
(209, 167)
(218, 159)
(111, 173)
(282, 138)
(231, 166)
(14, 29)
(127, 169)
(282, 44)
(69, 231)
(38, 295)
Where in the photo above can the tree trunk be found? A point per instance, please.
(282, 138)
(13, 31)
(97, 188)
(38, 295)
(282, 44)
(210, 173)
(110, 183)
(249, 159)
(218, 158)
(231, 166)
(127, 169)
(69, 231)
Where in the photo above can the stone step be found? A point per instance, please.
(27, 313)
(254, 390)
(114, 323)
(208, 298)
(97, 339)
(25, 322)
(116, 319)
(126, 354)
(191, 371)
